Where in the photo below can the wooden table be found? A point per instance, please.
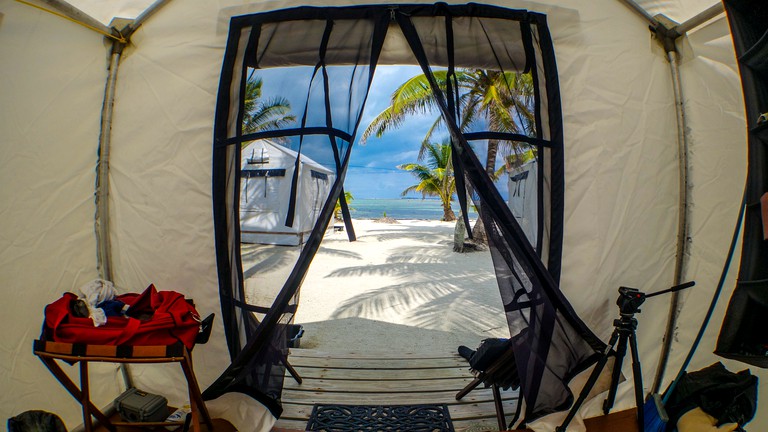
(49, 352)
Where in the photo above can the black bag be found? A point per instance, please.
(729, 397)
(36, 421)
(488, 351)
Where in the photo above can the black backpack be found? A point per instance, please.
(729, 397)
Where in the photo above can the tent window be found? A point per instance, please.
(319, 175)
(333, 53)
(248, 173)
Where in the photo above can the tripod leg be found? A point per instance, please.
(589, 384)
(621, 350)
(638, 376)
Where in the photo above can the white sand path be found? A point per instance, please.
(399, 287)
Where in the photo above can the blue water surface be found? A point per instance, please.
(403, 208)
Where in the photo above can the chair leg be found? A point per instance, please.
(294, 373)
(499, 408)
(471, 386)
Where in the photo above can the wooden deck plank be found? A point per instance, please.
(386, 379)
(354, 386)
(373, 363)
(361, 355)
(381, 375)
(446, 397)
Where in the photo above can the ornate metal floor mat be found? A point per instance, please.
(349, 418)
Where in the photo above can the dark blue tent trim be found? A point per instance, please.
(274, 172)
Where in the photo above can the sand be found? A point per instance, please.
(399, 287)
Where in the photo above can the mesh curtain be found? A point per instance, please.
(335, 59)
(742, 335)
(341, 47)
(551, 343)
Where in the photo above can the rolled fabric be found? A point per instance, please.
(95, 292)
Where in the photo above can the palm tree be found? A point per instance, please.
(261, 115)
(337, 207)
(436, 177)
(503, 100)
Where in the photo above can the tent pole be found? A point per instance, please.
(712, 12)
(104, 247)
(148, 12)
(667, 35)
(77, 15)
(668, 38)
(102, 171)
(640, 11)
(101, 220)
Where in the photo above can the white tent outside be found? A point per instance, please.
(621, 197)
(267, 170)
(522, 189)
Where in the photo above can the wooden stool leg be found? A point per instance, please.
(71, 387)
(196, 402)
(85, 397)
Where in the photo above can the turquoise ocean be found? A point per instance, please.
(402, 208)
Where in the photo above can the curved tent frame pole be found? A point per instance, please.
(667, 33)
(103, 244)
(101, 222)
(682, 221)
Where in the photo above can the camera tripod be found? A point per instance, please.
(624, 333)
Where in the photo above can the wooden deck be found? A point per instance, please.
(357, 378)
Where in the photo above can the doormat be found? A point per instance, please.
(348, 418)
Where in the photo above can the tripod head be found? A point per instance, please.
(630, 299)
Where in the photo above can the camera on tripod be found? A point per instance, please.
(624, 335)
(629, 300)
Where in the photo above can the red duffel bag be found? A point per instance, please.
(165, 318)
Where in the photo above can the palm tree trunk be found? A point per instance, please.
(448, 214)
(478, 231)
(490, 160)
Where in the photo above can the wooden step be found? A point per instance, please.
(387, 378)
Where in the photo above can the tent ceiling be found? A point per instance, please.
(299, 43)
(106, 10)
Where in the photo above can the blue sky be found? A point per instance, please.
(373, 169)
(372, 172)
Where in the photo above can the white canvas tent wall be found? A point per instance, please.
(621, 173)
(264, 198)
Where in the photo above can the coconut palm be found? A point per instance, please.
(261, 115)
(503, 101)
(337, 207)
(435, 177)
